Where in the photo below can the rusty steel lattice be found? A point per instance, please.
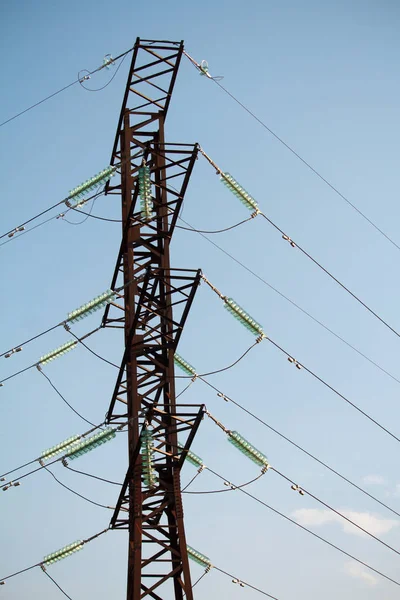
(156, 301)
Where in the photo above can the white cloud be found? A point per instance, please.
(359, 572)
(374, 480)
(371, 523)
(397, 490)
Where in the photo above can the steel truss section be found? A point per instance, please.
(147, 341)
(156, 302)
(158, 514)
(171, 166)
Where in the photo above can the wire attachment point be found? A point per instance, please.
(288, 239)
(294, 362)
(297, 488)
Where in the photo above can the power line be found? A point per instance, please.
(63, 89)
(64, 400)
(108, 82)
(293, 244)
(23, 225)
(93, 352)
(35, 337)
(79, 340)
(302, 490)
(64, 324)
(309, 315)
(299, 157)
(335, 391)
(90, 475)
(56, 584)
(287, 439)
(230, 487)
(302, 366)
(241, 357)
(82, 435)
(245, 583)
(77, 493)
(216, 230)
(39, 564)
(259, 501)
(320, 266)
(335, 511)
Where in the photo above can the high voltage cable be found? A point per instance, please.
(82, 435)
(21, 227)
(93, 352)
(231, 487)
(191, 228)
(38, 362)
(309, 315)
(221, 370)
(40, 564)
(79, 80)
(227, 398)
(91, 475)
(85, 310)
(259, 501)
(233, 577)
(77, 493)
(245, 583)
(298, 156)
(300, 365)
(253, 273)
(216, 230)
(287, 439)
(7, 233)
(336, 512)
(56, 584)
(252, 204)
(295, 486)
(64, 400)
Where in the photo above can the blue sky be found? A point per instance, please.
(324, 76)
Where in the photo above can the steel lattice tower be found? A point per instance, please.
(157, 299)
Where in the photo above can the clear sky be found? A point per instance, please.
(324, 76)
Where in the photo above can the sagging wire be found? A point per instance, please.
(216, 230)
(60, 215)
(255, 328)
(77, 493)
(251, 204)
(54, 557)
(260, 459)
(205, 562)
(93, 352)
(66, 445)
(194, 375)
(65, 88)
(76, 315)
(290, 520)
(65, 463)
(68, 346)
(108, 61)
(227, 398)
(309, 315)
(297, 155)
(64, 400)
(56, 584)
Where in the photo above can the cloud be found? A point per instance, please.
(374, 480)
(396, 492)
(359, 572)
(371, 523)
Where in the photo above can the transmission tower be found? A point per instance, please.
(152, 179)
